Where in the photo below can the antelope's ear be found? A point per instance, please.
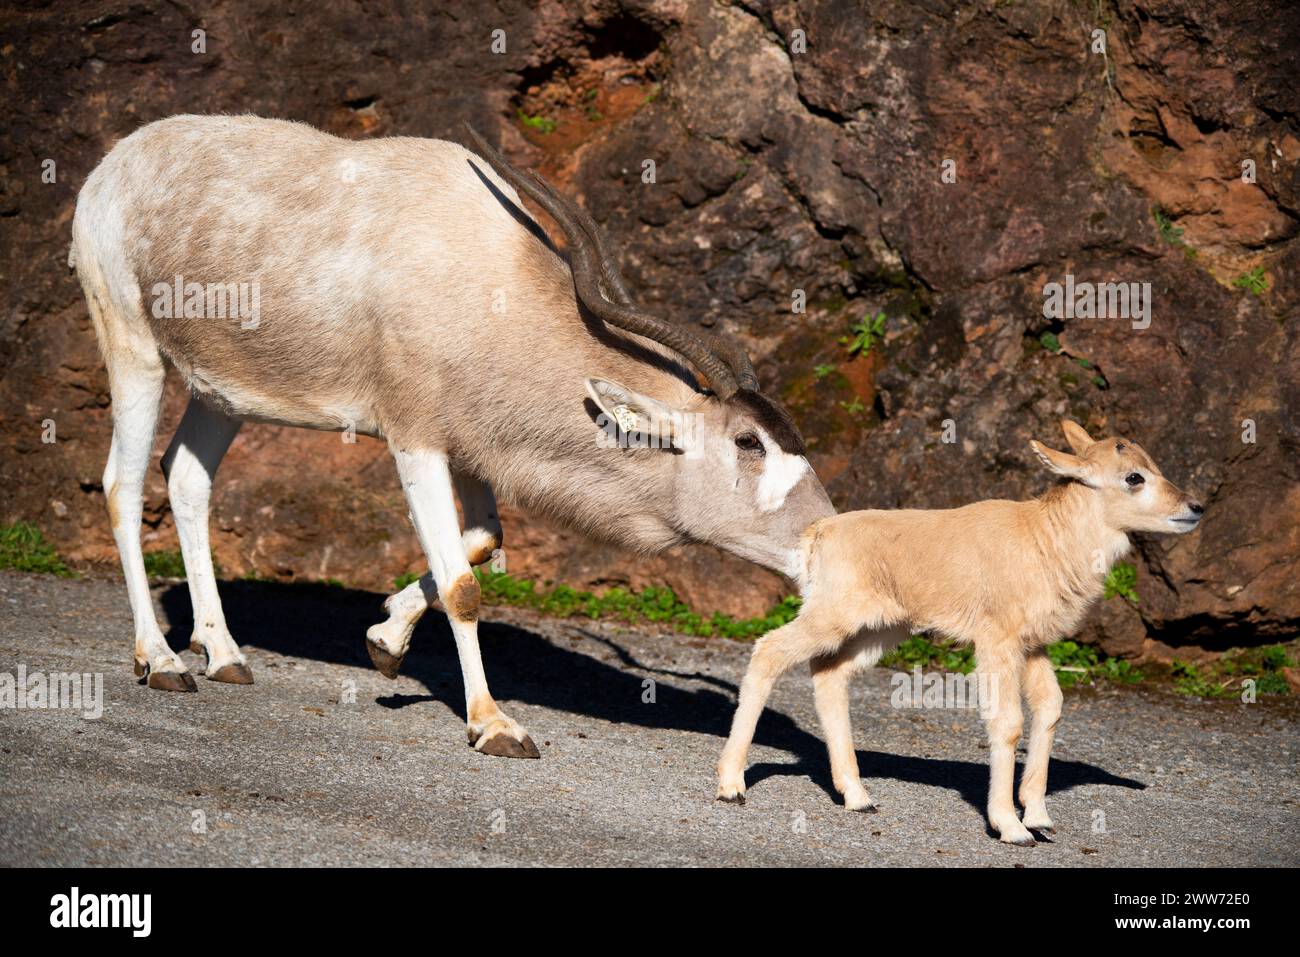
(1076, 435)
(1063, 463)
(631, 411)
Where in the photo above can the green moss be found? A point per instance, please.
(542, 124)
(23, 548)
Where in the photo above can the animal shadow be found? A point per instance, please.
(328, 624)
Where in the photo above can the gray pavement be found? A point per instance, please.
(292, 770)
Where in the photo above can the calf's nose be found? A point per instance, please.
(1196, 507)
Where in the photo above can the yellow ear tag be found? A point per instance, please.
(625, 417)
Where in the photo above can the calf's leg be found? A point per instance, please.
(831, 674)
(999, 663)
(1043, 692)
(773, 655)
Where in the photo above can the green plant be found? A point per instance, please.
(1188, 680)
(1121, 580)
(1050, 342)
(542, 124)
(855, 407)
(1272, 683)
(170, 564)
(1072, 661)
(164, 564)
(1118, 670)
(23, 548)
(404, 579)
(920, 650)
(1170, 233)
(1253, 281)
(823, 371)
(650, 605)
(864, 334)
(1263, 665)
(1075, 663)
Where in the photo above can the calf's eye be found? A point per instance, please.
(749, 442)
(1134, 479)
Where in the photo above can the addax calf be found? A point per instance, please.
(1008, 577)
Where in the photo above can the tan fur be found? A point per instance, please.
(462, 599)
(1008, 577)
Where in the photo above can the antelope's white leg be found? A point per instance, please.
(389, 640)
(1043, 692)
(482, 535)
(427, 482)
(190, 464)
(136, 382)
(999, 665)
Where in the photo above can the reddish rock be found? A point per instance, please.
(777, 171)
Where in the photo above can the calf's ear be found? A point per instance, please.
(1076, 435)
(1065, 464)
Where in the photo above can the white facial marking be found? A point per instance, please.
(781, 473)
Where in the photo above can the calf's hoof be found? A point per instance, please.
(737, 799)
(233, 674)
(386, 664)
(172, 681)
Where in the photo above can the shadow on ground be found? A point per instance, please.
(328, 624)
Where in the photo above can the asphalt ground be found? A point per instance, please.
(323, 761)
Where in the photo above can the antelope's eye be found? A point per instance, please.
(749, 442)
(1134, 479)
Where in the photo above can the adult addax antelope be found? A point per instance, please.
(404, 292)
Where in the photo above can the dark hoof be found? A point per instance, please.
(1024, 842)
(1043, 833)
(504, 746)
(233, 674)
(386, 664)
(738, 799)
(869, 809)
(197, 648)
(172, 681)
